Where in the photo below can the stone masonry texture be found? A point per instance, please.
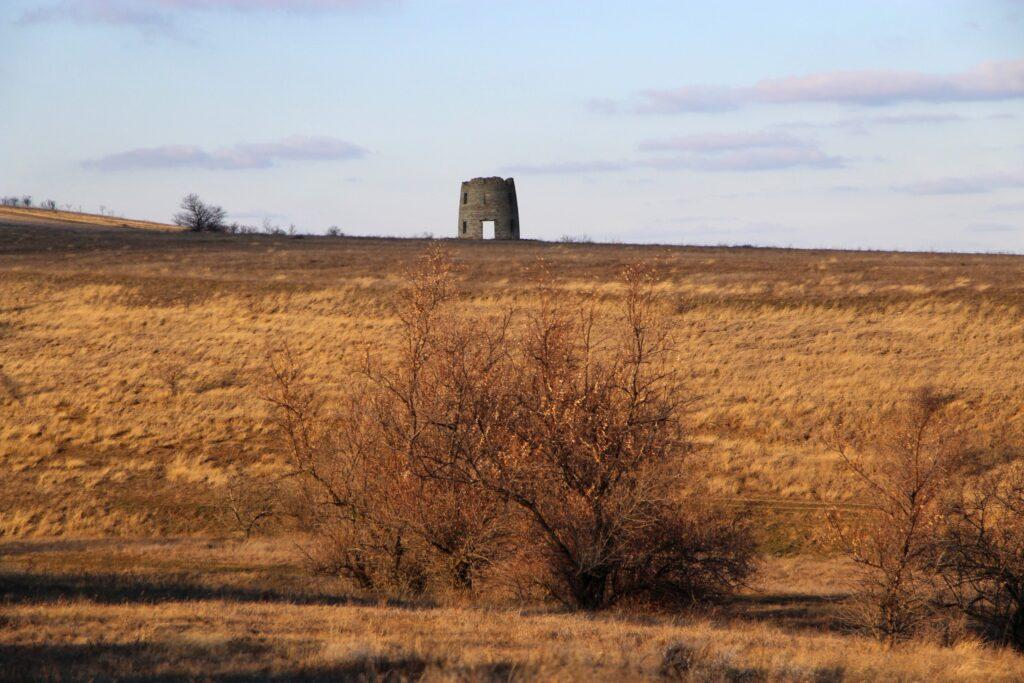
(488, 199)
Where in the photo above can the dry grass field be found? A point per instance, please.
(130, 362)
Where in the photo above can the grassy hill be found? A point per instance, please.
(130, 366)
(14, 215)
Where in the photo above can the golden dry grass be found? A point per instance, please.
(129, 362)
(180, 608)
(35, 216)
(129, 359)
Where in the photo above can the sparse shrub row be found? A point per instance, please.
(26, 201)
(540, 450)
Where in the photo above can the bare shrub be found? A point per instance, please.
(983, 553)
(432, 406)
(904, 462)
(552, 435)
(269, 228)
(590, 447)
(171, 371)
(338, 485)
(198, 216)
(251, 503)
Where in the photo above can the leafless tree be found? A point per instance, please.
(904, 462)
(49, 204)
(982, 559)
(552, 437)
(200, 217)
(251, 503)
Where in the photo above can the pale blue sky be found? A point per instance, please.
(885, 124)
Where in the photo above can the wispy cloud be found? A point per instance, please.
(712, 152)
(770, 159)
(162, 13)
(978, 184)
(721, 142)
(140, 14)
(861, 125)
(992, 227)
(987, 81)
(754, 151)
(569, 167)
(240, 156)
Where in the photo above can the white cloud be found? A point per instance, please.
(987, 81)
(765, 159)
(569, 167)
(861, 125)
(240, 156)
(977, 184)
(992, 227)
(717, 142)
(162, 13)
(712, 152)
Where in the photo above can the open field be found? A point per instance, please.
(179, 608)
(130, 365)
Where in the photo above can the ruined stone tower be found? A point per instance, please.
(488, 199)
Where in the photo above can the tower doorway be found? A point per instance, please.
(488, 227)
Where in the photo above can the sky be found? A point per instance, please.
(881, 124)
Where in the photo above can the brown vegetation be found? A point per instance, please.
(555, 432)
(192, 609)
(982, 552)
(131, 406)
(905, 461)
(933, 535)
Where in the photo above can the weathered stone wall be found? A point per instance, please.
(488, 199)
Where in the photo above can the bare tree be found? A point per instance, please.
(904, 463)
(200, 217)
(551, 437)
(49, 204)
(26, 200)
(983, 553)
(591, 448)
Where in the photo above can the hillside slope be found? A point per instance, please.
(130, 360)
(14, 215)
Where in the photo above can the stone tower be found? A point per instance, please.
(489, 199)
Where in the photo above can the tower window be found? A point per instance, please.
(463, 227)
(465, 197)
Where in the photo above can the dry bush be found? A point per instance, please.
(904, 462)
(198, 216)
(386, 503)
(983, 553)
(552, 436)
(587, 443)
(251, 504)
(341, 488)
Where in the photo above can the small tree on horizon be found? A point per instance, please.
(198, 216)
